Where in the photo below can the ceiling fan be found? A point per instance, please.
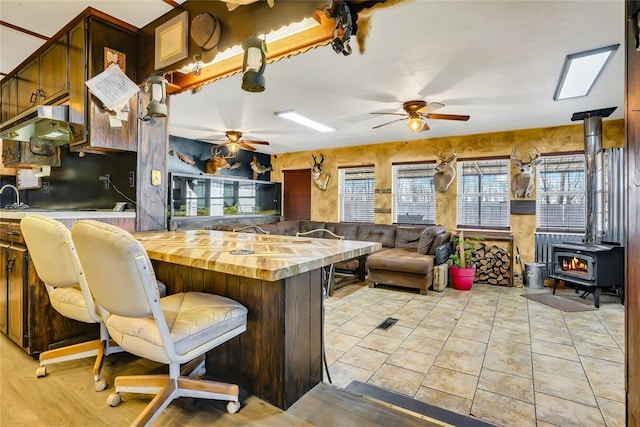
(234, 142)
(417, 111)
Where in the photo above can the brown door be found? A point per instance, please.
(297, 194)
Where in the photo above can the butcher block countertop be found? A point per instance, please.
(257, 256)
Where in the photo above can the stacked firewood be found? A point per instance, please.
(493, 265)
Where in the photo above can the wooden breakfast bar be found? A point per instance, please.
(278, 279)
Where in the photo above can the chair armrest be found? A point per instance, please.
(442, 252)
(254, 227)
(305, 233)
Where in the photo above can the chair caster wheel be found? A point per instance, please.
(41, 372)
(114, 399)
(233, 407)
(100, 385)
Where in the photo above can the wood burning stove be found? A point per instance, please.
(589, 267)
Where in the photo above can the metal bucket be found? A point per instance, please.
(535, 273)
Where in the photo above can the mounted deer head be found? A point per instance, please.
(522, 184)
(445, 172)
(218, 162)
(320, 177)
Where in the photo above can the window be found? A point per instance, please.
(560, 201)
(357, 194)
(483, 194)
(414, 195)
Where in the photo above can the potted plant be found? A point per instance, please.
(462, 272)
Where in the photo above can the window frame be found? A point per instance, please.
(430, 167)
(364, 197)
(543, 222)
(504, 196)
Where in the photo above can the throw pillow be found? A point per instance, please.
(427, 237)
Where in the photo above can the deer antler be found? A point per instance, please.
(533, 155)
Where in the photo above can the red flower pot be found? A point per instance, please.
(462, 278)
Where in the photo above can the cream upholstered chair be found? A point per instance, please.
(173, 330)
(56, 262)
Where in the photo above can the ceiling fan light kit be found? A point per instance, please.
(416, 112)
(416, 124)
(234, 142)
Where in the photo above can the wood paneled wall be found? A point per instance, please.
(153, 145)
(632, 300)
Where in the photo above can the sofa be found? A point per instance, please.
(407, 257)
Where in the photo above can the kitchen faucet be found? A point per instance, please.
(17, 204)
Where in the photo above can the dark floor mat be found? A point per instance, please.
(559, 302)
(416, 406)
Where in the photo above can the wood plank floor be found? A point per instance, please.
(65, 397)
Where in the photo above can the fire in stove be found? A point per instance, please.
(575, 265)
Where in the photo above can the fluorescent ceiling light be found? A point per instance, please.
(295, 117)
(582, 70)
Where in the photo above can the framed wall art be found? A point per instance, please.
(112, 56)
(171, 41)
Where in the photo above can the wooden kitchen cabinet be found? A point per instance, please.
(54, 72)
(17, 297)
(84, 64)
(9, 99)
(4, 170)
(57, 72)
(28, 85)
(45, 79)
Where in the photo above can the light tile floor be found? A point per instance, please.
(488, 353)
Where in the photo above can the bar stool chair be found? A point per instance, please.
(177, 329)
(57, 264)
(328, 272)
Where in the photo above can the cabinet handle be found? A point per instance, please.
(39, 93)
(14, 233)
(11, 262)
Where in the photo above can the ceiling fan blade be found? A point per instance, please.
(448, 117)
(392, 114)
(388, 123)
(245, 146)
(425, 127)
(213, 140)
(249, 141)
(433, 106)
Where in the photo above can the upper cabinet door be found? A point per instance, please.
(9, 99)
(54, 72)
(28, 82)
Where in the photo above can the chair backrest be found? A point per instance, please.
(118, 269)
(54, 256)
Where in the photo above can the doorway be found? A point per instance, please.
(297, 194)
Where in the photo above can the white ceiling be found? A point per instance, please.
(497, 61)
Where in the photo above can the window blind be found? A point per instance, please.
(357, 194)
(560, 200)
(414, 194)
(483, 194)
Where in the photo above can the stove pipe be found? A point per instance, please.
(592, 146)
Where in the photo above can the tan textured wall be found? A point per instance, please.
(324, 204)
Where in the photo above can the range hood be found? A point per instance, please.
(49, 122)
